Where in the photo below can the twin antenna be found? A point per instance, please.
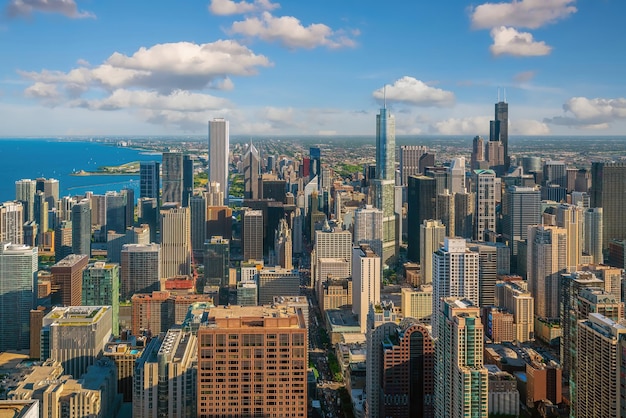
(504, 94)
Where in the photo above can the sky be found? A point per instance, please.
(324, 67)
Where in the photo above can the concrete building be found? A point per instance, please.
(267, 365)
(164, 383)
(514, 297)
(608, 182)
(366, 282)
(141, 268)
(331, 244)
(544, 381)
(484, 182)
(410, 156)
(172, 167)
(175, 241)
(251, 162)
(101, 287)
(124, 353)
(219, 143)
(198, 207)
(18, 294)
(81, 228)
(570, 218)
(335, 294)
(418, 303)
(216, 262)
(422, 202)
(368, 228)
(592, 235)
(252, 235)
(504, 398)
(520, 208)
(277, 281)
(11, 221)
(247, 293)
(283, 246)
(20, 409)
(432, 235)
(67, 276)
(25, 191)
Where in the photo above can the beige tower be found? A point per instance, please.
(571, 218)
(432, 234)
(175, 241)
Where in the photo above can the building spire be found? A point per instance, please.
(385, 96)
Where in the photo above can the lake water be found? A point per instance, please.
(32, 158)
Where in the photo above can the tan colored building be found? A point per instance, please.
(336, 294)
(499, 324)
(67, 274)
(124, 354)
(418, 303)
(175, 241)
(514, 297)
(252, 361)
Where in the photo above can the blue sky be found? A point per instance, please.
(94, 67)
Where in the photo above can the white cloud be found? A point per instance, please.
(588, 113)
(530, 14)
(508, 41)
(24, 8)
(524, 76)
(178, 100)
(415, 92)
(477, 125)
(230, 7)
(529, 127)
(290, 32)
(42, 91)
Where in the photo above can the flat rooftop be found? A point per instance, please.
(17, 409)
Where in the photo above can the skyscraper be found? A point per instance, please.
(81, 228)
(251, 172)
(116, 212)
(149, 179)
(198, 208)
(315, 167)
(216, 262)
(252, 235)
(366, 282)
(410, 161)
(11, 221)
(188, 174)
(432, 235)
(175, 241)
(464, 214)
(485, 207)
(422, 202)
(592, 242)
(520, 209)
(101, 287)
(67, 274)
(368, 228)
(141, 268)
(500, 129)
(219, 142)
(608, 183)
(516, 299)
(478, 153)
(18, 293)
(461, 380)
(283, 246)
(571, 218)
(25, 190)
(456, 175)
(172, 177)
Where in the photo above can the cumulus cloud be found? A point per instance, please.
(25, 8)
(178, 100)
(290, 32)
(230, 7)
(415, 92)
(588, 113)
(508, 41)
(530, 14)
(461, 126)
(524, 76)
(529, 127)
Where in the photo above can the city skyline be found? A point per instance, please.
(292, 68)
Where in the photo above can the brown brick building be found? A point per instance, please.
(67, 276)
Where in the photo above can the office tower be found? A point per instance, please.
(445, 211)
(67, 275)
(409, 161)
(81, 228)
(219, 221)
(41, 213)
(464, 214)
(478, 153)
(252, 235)
(368, 228)
(50, 189)
(11, 221)
(64, 209)
(516, 299)
(455, 274)
(277, 281)
(418, 303)
(36, 319)
(335, 294)
(134, 235)
(251, 172)
(422, 198)
(554, 173)
(98, 205)
(75, 336)
(216, 261)
(130, 205)
(385, 145)
(18, 294)
(531, 164)
(331, 243)
(125, 352)
(461, 380)
(156, 312)
(219, 143)
(140, 268)
(366, 282)
(149, 179)
(214, 196)
(592, 236)
(599, 386)
(115, 212)
(31, 234)
(25, 193)
(247, 293)
(198, 208)
(485, 207)
(188, 181)
(432, 235)
(101, 287)
(456, 175)
(547, 260)
(608, 182)
(164, 383)
(172, 177)
(500, 129)
(493, 260)
(283, 247)
(582, 181)
(148, 213)
(63, 240)
(315, 167)
(520, 208)
(276, 346)
(571, 219)
(175, 241)
(495, 156)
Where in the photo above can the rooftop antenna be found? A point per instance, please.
(498, 94)
(385, 96)
(505, 95)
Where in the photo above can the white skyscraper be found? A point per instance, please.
(11, 220)
(366, 282)
(368, 228)
(455, 274)
(219, 143)
(485, 208)
(456, 175)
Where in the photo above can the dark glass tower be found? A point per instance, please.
(502, 122)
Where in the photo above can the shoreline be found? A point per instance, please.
(100, 173)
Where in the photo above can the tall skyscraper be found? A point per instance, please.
(315, 167)
(252, 235)
(516, 299)
(331, 243)
(41, 213)
(608, 183)
(410, 161)
(267, 364)
(455, 274)
(422, 202)
(172, 177)
(547, 260)
(101, 287)
(149, 179)
(368, 228)
(188, 175)
(63, 240)
(554, 173)
(385, 145)
(456, 175)
(141, 268)
(478, 153)
(67, 274)
(500, 129)
(11, 221)
(116, 212)
(571, 218)
(25, 190)
(283, 246)
(432, 235)
(461, 380)
(198, 208)
(219, 143)
(366, 282)
(251, 172)
(175, 241)
(216, 262)
(520, 208)
(18, 294)
(464, 214)
(81, 228)
(592, 242)
(485, 207)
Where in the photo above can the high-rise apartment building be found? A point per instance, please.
(251, 162)
(432, 235)
(175, 241)
(422, 195)
(464, 214)
(25, 190)
(172, 178)
(160, 310)
(18, 284)
(571, 218)
(478, 153)
(63, 240)
(116, 212)
(410, 161)
(461, 380)
(67, 275)
(101, 287)
(149, 179)
(81, 228)
(368, 228)
(252, 235)
(164, 383)
(366, 282)
(608, 182)
(264, 350)
(485, 207)
(11, 221)
(50, 189)
(520, 208)
(219, 143)
(140, 268)
(455, 274)
(516, 299)
(593, 234)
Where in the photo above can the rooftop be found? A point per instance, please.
(17, 409)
